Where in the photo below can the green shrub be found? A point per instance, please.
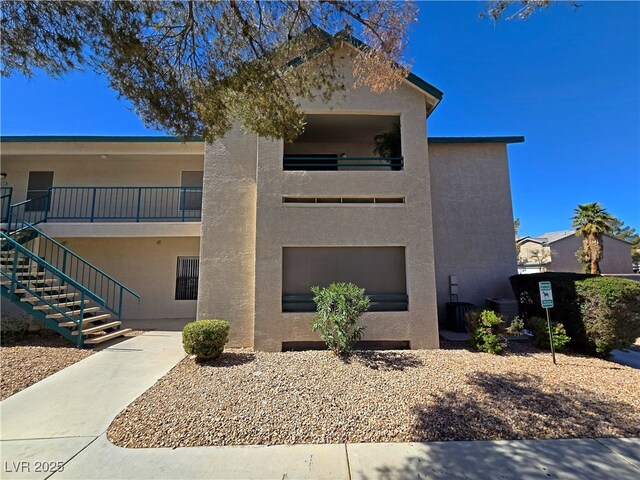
(599, 313)
(610, 312)
(517, 327)
(339, 306)
(13, 329)
(486, 331)
(540, 330)
(205, 338)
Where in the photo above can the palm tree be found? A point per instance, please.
(591, 221)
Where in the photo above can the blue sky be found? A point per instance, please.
(567, 79)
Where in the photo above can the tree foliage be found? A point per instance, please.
(624, 232)
(628, 234)
(194, 67)
(518, 9)
(591, 221)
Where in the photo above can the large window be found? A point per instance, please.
(187, 278)
(381, 271)
(37, 188)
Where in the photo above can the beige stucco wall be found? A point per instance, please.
(79, 169)
(616, 257)
(145, 265)
(472, 221)
(227, 250)
(247, 225)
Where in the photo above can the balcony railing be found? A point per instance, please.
(331, 162)
(377, 303)
(112, 204)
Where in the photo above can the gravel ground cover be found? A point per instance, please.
(247, 398)
(37, 357)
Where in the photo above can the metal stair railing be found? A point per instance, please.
(64, 260)
(33, 211)
(27, 271)
(5, 203)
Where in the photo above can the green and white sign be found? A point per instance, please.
(546, 295)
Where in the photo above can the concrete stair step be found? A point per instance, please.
(74, 312)
(50, 288)
(59, 305)
(50, 297)
(33, 273)
(87, 320)
(108, 336)
(98, 328)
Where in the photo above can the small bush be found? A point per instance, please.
(13, 329)
(205, 338)
(486, 331)
(517, 327)
(339, 306)
(610, 311)
(540, 330)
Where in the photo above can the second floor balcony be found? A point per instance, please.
(110, 204)
(346, 142)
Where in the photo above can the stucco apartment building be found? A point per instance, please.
(556, 252)
(241, 228)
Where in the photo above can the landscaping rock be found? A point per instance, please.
(247, 398)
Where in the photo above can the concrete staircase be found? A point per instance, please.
(84, 308)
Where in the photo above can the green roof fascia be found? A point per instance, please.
(98, 138)
(513, 139)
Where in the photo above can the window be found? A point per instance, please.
(191, 196)
(187, 278)
(381, 271)
(37, 189)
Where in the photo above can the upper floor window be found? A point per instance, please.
(346, 142)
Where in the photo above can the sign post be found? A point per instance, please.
(546, 299)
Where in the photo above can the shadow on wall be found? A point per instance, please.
(164, 324)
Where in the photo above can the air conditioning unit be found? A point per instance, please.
(506, 307)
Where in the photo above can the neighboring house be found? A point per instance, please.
(556, 252)
(534, 256)
(242, 228)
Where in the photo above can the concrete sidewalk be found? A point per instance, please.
(64, 419)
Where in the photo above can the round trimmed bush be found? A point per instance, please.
(205, 338)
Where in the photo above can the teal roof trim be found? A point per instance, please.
(97, 138)
(425, 86)
(516, 139)
(168, 139)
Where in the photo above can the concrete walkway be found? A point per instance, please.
(64, 419)
(630, 358)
